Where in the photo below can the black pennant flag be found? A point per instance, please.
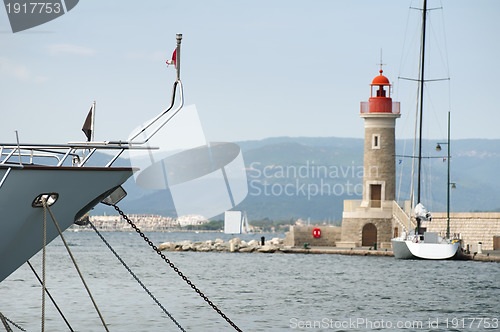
(87, 126)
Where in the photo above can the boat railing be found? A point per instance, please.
(56, 155)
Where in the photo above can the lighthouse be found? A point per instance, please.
(369, 222)
(380, 114)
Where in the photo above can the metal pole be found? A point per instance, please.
(448, 188)
(422, 81)
(18, 149)
(178, 56)
(92, 133)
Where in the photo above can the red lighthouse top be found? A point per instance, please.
(380, 100)
(381, 82)
(380, 79)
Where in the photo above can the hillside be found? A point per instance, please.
(307, 177)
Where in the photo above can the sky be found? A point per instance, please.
(254, 69)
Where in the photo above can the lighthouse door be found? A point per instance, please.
(369, 236)
(375, 195)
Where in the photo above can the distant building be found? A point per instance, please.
(145, 222)
(300, 222)
(192, 219)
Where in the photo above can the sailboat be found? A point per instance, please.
(236, 222)
(245, 229)
(418, 244)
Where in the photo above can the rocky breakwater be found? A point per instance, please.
(233, 245)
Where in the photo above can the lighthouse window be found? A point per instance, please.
(376, 141)
(381, 92)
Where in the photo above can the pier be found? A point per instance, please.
(276, 246)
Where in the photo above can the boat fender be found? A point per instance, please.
(316, 232)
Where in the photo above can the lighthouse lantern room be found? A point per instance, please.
(380, 99)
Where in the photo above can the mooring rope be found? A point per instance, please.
(44, 241)
(135, 277)
(50, 296)
(176, 269)
(5, 323)
(76, 267)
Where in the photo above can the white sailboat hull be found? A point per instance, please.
(408, 249)
(79, 189)
(400, 249)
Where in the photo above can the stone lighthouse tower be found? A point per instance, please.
(369, 222)
(380, 114)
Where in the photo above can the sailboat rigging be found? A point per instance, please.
(417, 243)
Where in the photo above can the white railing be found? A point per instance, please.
(56, 155)
(401, 216)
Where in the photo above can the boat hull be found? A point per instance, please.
(401, 250)
(79, 190)
(407, 249)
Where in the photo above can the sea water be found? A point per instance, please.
(259, 292)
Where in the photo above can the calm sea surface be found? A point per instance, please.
(259, 292)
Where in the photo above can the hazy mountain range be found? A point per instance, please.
(304, 177)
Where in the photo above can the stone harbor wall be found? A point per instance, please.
(276, 245)
(233, 245)
(298, 235)
(352, 231)
(473, 227)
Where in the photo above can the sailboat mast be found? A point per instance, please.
(422, 63)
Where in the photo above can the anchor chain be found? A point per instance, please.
(136, 277)
(14, 324)
(7, 320)
(169, 262)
